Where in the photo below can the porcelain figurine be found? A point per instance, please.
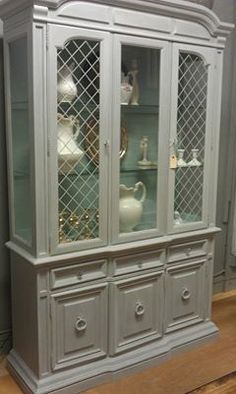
(180, 161)
(125, 90)
(134, 100)
(131, 208)
(143, 149)
(177, 218)
(69, 154)
(195, 161)
(66, 88)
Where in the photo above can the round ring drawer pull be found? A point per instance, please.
(80, 324)
(139, 310)
(186, 294)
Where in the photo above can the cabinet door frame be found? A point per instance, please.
(57, 37)
(163, 136)
(208, 56)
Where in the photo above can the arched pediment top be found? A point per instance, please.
(175, 8)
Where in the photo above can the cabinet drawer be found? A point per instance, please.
(138, 262)
(135, 311)
(185, 295)
(79, 326)
(187, 251)
(78, 273)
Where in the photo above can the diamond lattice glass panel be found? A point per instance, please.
(78, 140)
(191, 127)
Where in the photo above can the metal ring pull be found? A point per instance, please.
(186, 294)
(139, 310)
(80, 324)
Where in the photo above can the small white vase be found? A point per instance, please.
(130, 208)
(177, 218)
(69, 154)
(125, 90)
(181, 162)
(66, 88)
(195, 162)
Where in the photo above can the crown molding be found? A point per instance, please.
(175, 8)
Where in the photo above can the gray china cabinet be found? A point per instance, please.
(113, 110)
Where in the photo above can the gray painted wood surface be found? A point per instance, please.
(185, 310)
(226, 11)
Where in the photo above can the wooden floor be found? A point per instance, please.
(224, 385)
(188, 372)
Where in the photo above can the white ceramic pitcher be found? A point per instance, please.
(69, 154)
(131, 208)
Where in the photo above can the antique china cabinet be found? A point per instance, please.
(113, 110)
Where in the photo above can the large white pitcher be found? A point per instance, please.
(131, 208)
(69, 154)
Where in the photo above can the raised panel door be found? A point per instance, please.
(79, 325)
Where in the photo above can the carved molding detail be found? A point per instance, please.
(175, 8)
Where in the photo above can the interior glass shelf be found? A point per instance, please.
(140, 109)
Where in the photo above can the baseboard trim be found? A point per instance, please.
(82, 378)
(223, 285)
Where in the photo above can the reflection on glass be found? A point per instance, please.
(139, 100)
(20, 138)
(78, 140)
(191, 127)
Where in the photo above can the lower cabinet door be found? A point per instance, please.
(79, 326)
(135, 311)
(185, 295)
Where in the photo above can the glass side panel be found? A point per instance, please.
(20, 138)
(78, 140)
(139, 98)
(191, 128)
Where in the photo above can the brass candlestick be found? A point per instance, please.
(62, 223)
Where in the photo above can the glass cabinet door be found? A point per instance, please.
(139, 143)
(190, 142)
(20, 141)
(78, 123)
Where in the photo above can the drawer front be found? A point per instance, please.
(78, 273)
(187, 251)
(185, 295)
(138, 262)
(79, 326)
(135, 311)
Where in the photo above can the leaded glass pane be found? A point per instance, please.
(191, 130)
(78, 140)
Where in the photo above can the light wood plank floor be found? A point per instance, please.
(183, 373)
(225, 385)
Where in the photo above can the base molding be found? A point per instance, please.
(82, 378)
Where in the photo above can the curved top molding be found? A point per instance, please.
(175, 8)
